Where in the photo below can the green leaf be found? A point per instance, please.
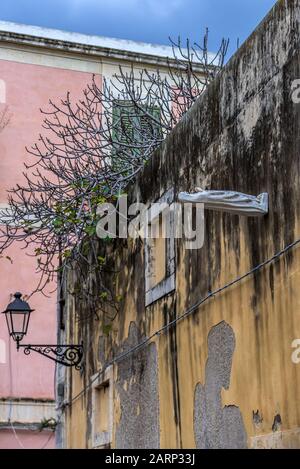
(90, 230)
(67, 253)
(58, 223)
(106, 328)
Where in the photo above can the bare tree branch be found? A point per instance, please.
(5, 117)
(88, 153)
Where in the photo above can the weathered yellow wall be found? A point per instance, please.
(219, 146)
(263, 375)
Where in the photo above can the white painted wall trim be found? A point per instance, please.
(169, 283)
(45, 58)
(26, 411)
(287, 439)
(97, 46)
(102, 439)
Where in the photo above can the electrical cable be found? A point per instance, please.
(170, 324)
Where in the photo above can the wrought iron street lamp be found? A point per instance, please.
(17, 316)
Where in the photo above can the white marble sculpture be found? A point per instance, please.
(228, 201)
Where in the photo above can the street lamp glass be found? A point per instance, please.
(17, 317)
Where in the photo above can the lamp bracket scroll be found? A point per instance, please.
(17, 316)
(67, 355)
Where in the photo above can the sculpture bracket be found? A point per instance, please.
(229, 201)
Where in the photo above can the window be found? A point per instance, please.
(157, 260)
(134, 125)
(160, 250)
(102, 409)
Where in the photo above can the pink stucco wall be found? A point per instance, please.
(28, 88)
(24, 439)
(26, 376)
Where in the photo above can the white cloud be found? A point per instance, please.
(164, 8)
(160, 8)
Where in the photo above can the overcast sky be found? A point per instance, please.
(143, 20)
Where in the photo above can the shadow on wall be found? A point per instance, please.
(215, 426)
